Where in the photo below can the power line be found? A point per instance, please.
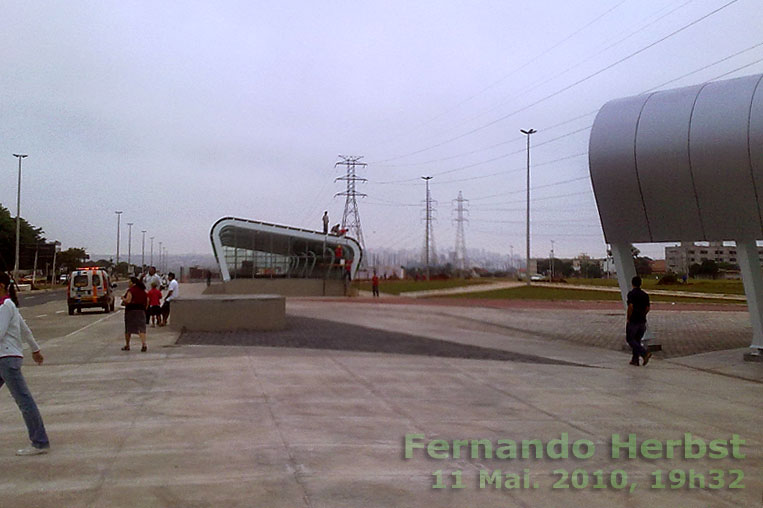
(514, 71)
(564, 89)
(503, 156)
(512, 140)
(515, 170)
(484, 149)
(576, 65)
(707, 67)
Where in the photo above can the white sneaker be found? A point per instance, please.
(31, 450)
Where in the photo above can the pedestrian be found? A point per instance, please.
(209, 277)
(335, 229)
(148, 280)
(638, 308)
(375, 285)
(172, 294)
(154, 300)
(135, 301)
(12, 329)
(326, 222)
(348, 270)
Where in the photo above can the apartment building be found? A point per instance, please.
(680, 258)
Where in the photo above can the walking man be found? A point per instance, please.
(172, 294)
(375, 285)
(326, 222)
(638, 307)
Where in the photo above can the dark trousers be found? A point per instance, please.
(633, 334)
(375, 290)
(165, 310)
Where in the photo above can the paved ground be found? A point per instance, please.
(258, 426)
(682, 329)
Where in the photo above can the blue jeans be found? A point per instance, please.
(633, 334)
(10, 375)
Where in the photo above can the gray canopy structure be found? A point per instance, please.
(684, 165)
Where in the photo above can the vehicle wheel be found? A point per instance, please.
(71, 310)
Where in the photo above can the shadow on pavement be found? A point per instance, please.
(302, 332)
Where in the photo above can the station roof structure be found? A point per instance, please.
(247, 248)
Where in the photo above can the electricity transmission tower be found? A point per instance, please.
(461, 259)
(351, 217)
(429, 252)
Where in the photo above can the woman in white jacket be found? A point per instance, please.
(12, 329)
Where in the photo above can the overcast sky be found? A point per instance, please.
(179, 113)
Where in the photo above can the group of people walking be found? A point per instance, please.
(142, 305)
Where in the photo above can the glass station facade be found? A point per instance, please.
(247, 249)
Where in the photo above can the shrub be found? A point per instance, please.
(667, 280)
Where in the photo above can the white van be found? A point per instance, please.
(90, 287)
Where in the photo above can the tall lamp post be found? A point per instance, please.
(528, 133)
(18, 221)
(160, 257)
(129, 246)
(119, 218)
(151, 262)
(143, 252)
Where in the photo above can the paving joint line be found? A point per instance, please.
(295, 466)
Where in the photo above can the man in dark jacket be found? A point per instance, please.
(638, 307)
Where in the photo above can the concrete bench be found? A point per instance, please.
(209, 313)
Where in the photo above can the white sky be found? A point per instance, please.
(179, 113)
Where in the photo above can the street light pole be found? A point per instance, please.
(528, 133)
(552, 261)
(18, 221)
(160, 257)
(119, 218)
(129, 246)
(151, 262)
(143, 252)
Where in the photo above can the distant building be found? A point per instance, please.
(680, 258)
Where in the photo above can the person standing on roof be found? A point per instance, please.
(326, 222)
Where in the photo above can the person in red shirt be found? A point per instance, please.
(154, 301)
(375, 285)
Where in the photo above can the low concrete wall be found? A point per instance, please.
(211, 313)
(285, 287)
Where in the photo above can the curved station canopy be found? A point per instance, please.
(684, 165)
(248, 249)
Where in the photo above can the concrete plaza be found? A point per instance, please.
(227, 425)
